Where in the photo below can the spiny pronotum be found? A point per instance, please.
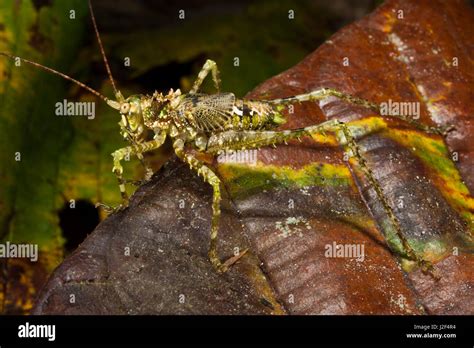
(220, 122)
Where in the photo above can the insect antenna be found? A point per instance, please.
(118, 95)
(64, 76)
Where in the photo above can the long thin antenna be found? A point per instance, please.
(109, 72)
(80, 84)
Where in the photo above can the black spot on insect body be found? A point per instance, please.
(246, 110)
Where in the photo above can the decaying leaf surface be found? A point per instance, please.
(300, 198)
(161, 266)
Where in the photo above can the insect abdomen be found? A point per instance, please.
(219, 112)
(254, 115)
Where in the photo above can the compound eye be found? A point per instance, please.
(124, 108)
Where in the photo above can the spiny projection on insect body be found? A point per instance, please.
(220, 122)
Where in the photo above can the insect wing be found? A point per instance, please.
(210, 113)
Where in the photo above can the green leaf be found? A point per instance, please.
(29, 129)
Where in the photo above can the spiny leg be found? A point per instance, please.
(211, 178)
(120, 154)
(146, 166)
(323, 93)
(148, 170)
(209, 66)
(240, 140)
(232, 140)
(351, 144)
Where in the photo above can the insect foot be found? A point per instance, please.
(148, 174)
(111, 210)
(224, 267)
(428, 268)
(446, 129)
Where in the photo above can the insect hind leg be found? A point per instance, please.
(323, 93)
(253, 139)
(350, 144)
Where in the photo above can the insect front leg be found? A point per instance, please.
(120, 154)
(146, 166)
(211, 178)
(209, 66)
